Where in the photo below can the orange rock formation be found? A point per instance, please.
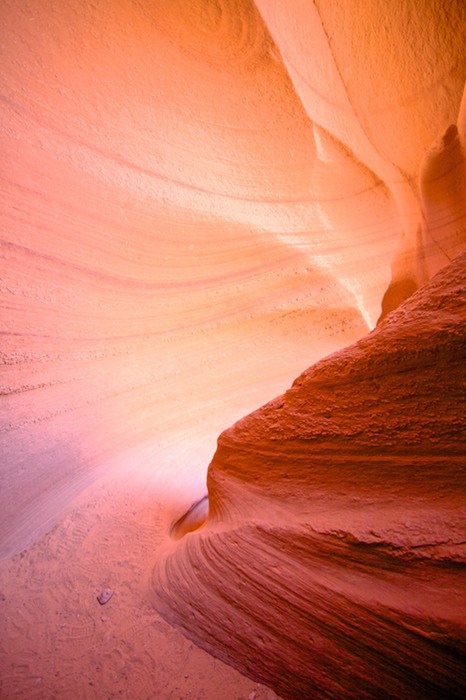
(200, 199)
(332, 561)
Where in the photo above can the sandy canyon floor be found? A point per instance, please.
(57, 641)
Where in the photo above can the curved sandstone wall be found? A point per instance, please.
(188, 188)
(200, 199)
(332, 563)
(158, 230)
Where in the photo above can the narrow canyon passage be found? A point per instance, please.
(199, 200)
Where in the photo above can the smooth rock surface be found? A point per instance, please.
(199, 200)
(161, 247)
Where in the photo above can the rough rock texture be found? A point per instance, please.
(332, 563)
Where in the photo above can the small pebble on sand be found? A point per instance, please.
(104, 596)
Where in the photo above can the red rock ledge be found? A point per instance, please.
(332, 563)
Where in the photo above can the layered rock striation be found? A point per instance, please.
(332, 563)
(200, 199)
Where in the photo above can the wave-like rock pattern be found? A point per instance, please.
(332, 563)
(199, 199)
(152, 155)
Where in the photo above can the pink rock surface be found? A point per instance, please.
(158, 230)
(187, 191)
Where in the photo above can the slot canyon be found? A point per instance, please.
(233, 340)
